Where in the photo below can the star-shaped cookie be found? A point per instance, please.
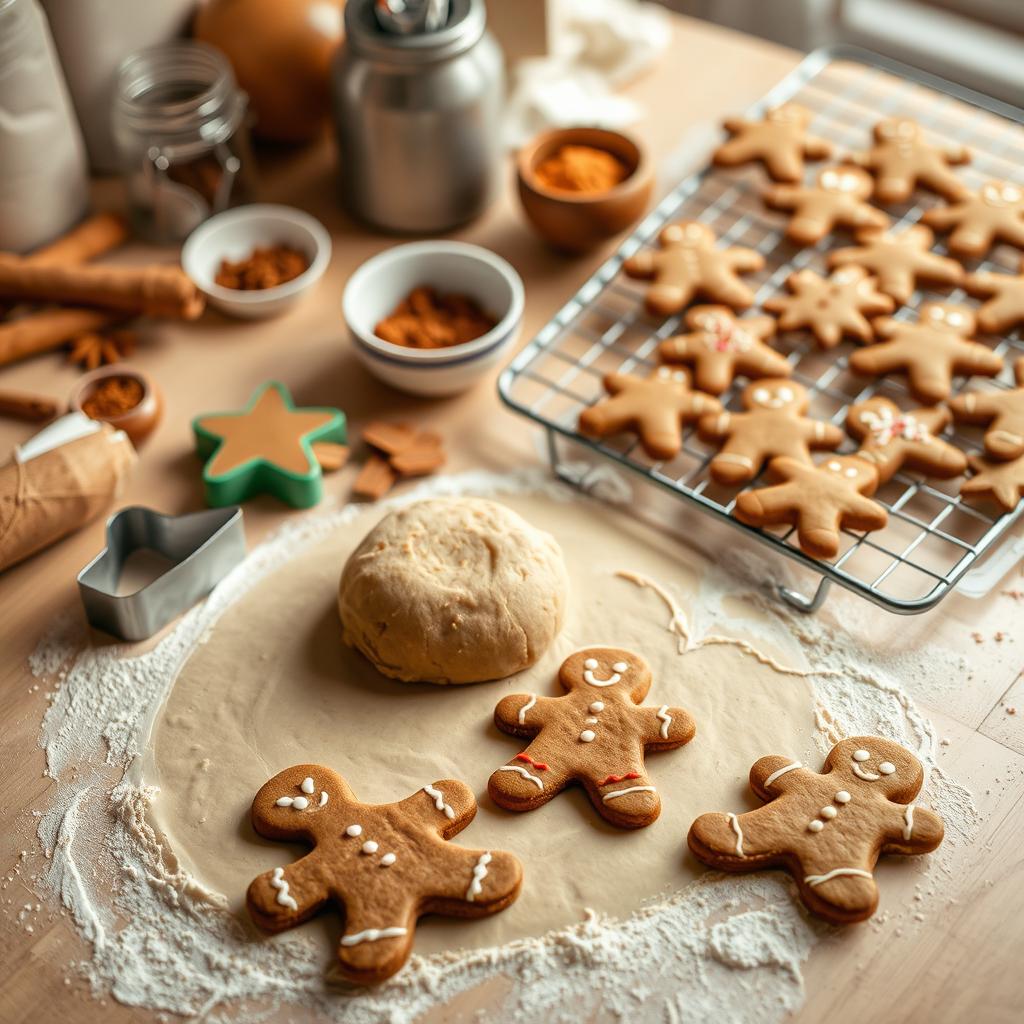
(655, 407)
(837, 199)
(891, 438)
(1002, 412)
(999, 482)
(718, 346)
(265, 448)
(902, 158)
(979, 219)
(1005, 293)
(687, 265)
(830, 307)
(780, 141)
(899, 260)
(382, 865)
(929, 352)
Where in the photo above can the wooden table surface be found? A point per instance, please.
(957, 967)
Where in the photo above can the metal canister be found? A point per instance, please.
(418, 119)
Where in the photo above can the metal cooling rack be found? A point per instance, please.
(932, 538)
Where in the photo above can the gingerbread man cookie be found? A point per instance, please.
(655, 407)
(383, 865)
(891, 439)
(837, 200)
(780, 141)
(929, 352)
(979, 219)
(594, 735)
(817, 500)
(899, 261)
(1005, 293)
(901, 159)
(1002, 412)
(830, 307)
(775, 423)
(999, 482)
(719, 346)
(826, 829)
(688, 265)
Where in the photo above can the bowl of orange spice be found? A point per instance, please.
(122, 396)
(580, 187)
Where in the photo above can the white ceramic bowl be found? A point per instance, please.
(381, 283)
(234, 234)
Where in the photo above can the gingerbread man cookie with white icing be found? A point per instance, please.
(831, 308)
(718, 346)
(656, 407)
(1001, 482)
(687, 265)
(1004, 309)
(383, 865)
(902, 159)
(1001, 412)
(891, 439)
(775, 423)
(826, 829)
(837, 199)
(595, 735)
(818, 500)
(779, 140)
(979, 219)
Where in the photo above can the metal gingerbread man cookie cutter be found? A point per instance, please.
(203, 547)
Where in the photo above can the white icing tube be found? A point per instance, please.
(279, 883)
(439, 803)
(372, 935)
(522, 771)
(479, 874)
(782, 771)
(836, 873)
(630, 789)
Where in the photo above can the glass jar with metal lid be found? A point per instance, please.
(418, 118)
(180, 128)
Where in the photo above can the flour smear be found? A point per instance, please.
(723, 948)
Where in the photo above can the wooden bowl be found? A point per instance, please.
(139, 421)
(580, 221)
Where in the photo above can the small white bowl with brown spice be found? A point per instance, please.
(454, 272)
(252, 247)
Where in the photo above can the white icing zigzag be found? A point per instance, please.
(522, 771)
(439, 803)
(479, 874)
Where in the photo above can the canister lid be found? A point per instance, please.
(364, 34)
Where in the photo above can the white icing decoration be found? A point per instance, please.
(354, 830)
(308, 785)
(522, 771)
(588, 736)
(387, 860)
(813, 880)
(372, 935)
(842, 797)
(597, 706)
(439, 801)
(588, 674)
(782, 771)
(734, 822)
(886, 768)
(526, 707)
(590, 721)
(300, 803)
(323, 797)
(666, 720)
(284, 801)
(866, 776)
(369, 846)
(861, 755)
(621, 666)
(828, 813)
(908, 819)
(279, 883)
(815, 826)
(479, 874)
(631, 789)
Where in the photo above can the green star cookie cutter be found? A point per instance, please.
(266, 448)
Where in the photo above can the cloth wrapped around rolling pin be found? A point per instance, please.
(59, 480)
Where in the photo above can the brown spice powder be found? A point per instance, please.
(112, 397)
(264, 268)
(427, 319)
(581, 169)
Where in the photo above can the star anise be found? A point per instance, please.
(93, 349)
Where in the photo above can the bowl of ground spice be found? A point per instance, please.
(579, 187)
(432, 318)
(257, 261)
(122, 396)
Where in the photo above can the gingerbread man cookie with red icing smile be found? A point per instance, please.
(594, 735)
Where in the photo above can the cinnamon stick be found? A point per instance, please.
(95, 236)
(21, 405)
(40, 332)
(159, 291)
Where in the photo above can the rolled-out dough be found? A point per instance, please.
(273, 685)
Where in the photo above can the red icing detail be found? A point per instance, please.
(539, 765)
(620, 778)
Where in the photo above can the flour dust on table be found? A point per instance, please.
(156, 754)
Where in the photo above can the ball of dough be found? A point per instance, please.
(453, 590)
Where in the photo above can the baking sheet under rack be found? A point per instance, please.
(933, 538)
